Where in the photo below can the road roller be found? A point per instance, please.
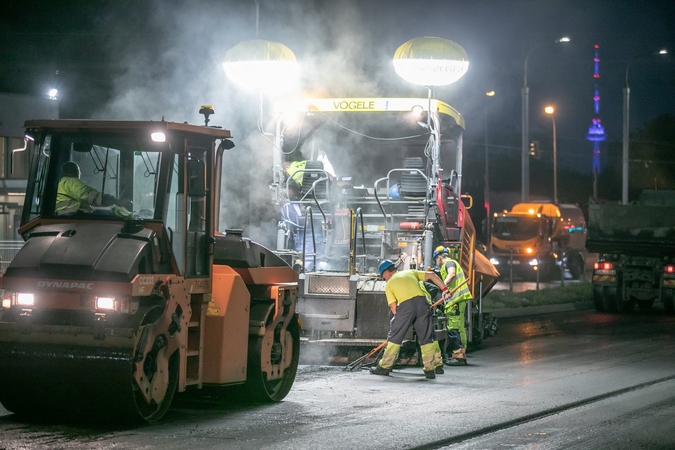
(125, 293)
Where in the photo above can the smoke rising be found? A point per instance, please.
(173, 64)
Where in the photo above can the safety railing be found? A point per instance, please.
(352, 240)
(310, 217)
(8, 250)
(378, 181)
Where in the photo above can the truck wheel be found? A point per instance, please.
(645, 305)
(257, 385)
(668, 301)
(599, 298)
(609, 298)
(624, 303)
(576, 266)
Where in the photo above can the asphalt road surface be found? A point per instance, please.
(566, 380)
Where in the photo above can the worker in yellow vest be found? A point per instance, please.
(408, 302)
(74, 195)
(455, 310)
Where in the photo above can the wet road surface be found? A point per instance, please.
(566, 380)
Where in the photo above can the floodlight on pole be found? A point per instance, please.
(551, 111)
(433, 61)
(261, 65)
(488, 215)
(626, 125)
(525, 123)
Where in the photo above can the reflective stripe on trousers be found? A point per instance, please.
(429, 355)
(389, 356)
(438, 357)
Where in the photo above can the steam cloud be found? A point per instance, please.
(174, 65)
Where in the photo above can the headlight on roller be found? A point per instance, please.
(105, 303)
(534, 262)
(25, 299)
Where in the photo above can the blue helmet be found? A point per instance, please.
(394, 192)
(440, 250)
(385, 265)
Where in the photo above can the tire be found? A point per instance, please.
(667, 297)
(624, 303)
(645, 305)
(258, 387)
(599, 298)
(610, 299)
(576, 266)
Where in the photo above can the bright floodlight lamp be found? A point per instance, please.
(549, 110)
(431, 61)
(261, 65)
(53, 92)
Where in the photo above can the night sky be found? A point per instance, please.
(125, 59)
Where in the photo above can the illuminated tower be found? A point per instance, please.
(596, 133)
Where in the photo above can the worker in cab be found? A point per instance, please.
(408, 304)
(74, 195)
(455, 310)
(295, 171)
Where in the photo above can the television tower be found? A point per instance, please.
(596, 132)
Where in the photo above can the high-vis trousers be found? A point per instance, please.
(413, 312)
(456, 326)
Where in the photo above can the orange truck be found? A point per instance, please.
(111, 310)
(539, 237)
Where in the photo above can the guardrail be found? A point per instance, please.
(8, 250)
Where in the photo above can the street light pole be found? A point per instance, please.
(525, 124)
(487, 173)
(626, 127)
(551, 111)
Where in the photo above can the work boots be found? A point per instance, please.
(430, 374)
(458, 358)
(377, 370)
(439, 370)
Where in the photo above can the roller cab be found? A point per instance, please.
(115, 304)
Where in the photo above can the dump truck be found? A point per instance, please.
(108, 311)
(539, 237)
(636, 246)
(358, 180)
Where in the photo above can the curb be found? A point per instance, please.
(545, 309)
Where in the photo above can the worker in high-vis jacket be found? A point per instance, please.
(408, 303)
(74, 195)
(455, 310)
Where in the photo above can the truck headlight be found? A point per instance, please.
(534, 262)
(105, 303)
(25, 299)
(494, 261)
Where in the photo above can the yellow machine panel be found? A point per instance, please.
(226, 331)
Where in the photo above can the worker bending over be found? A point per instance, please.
(408, 302)
(455, 310)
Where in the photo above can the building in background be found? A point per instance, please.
(15, 109)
